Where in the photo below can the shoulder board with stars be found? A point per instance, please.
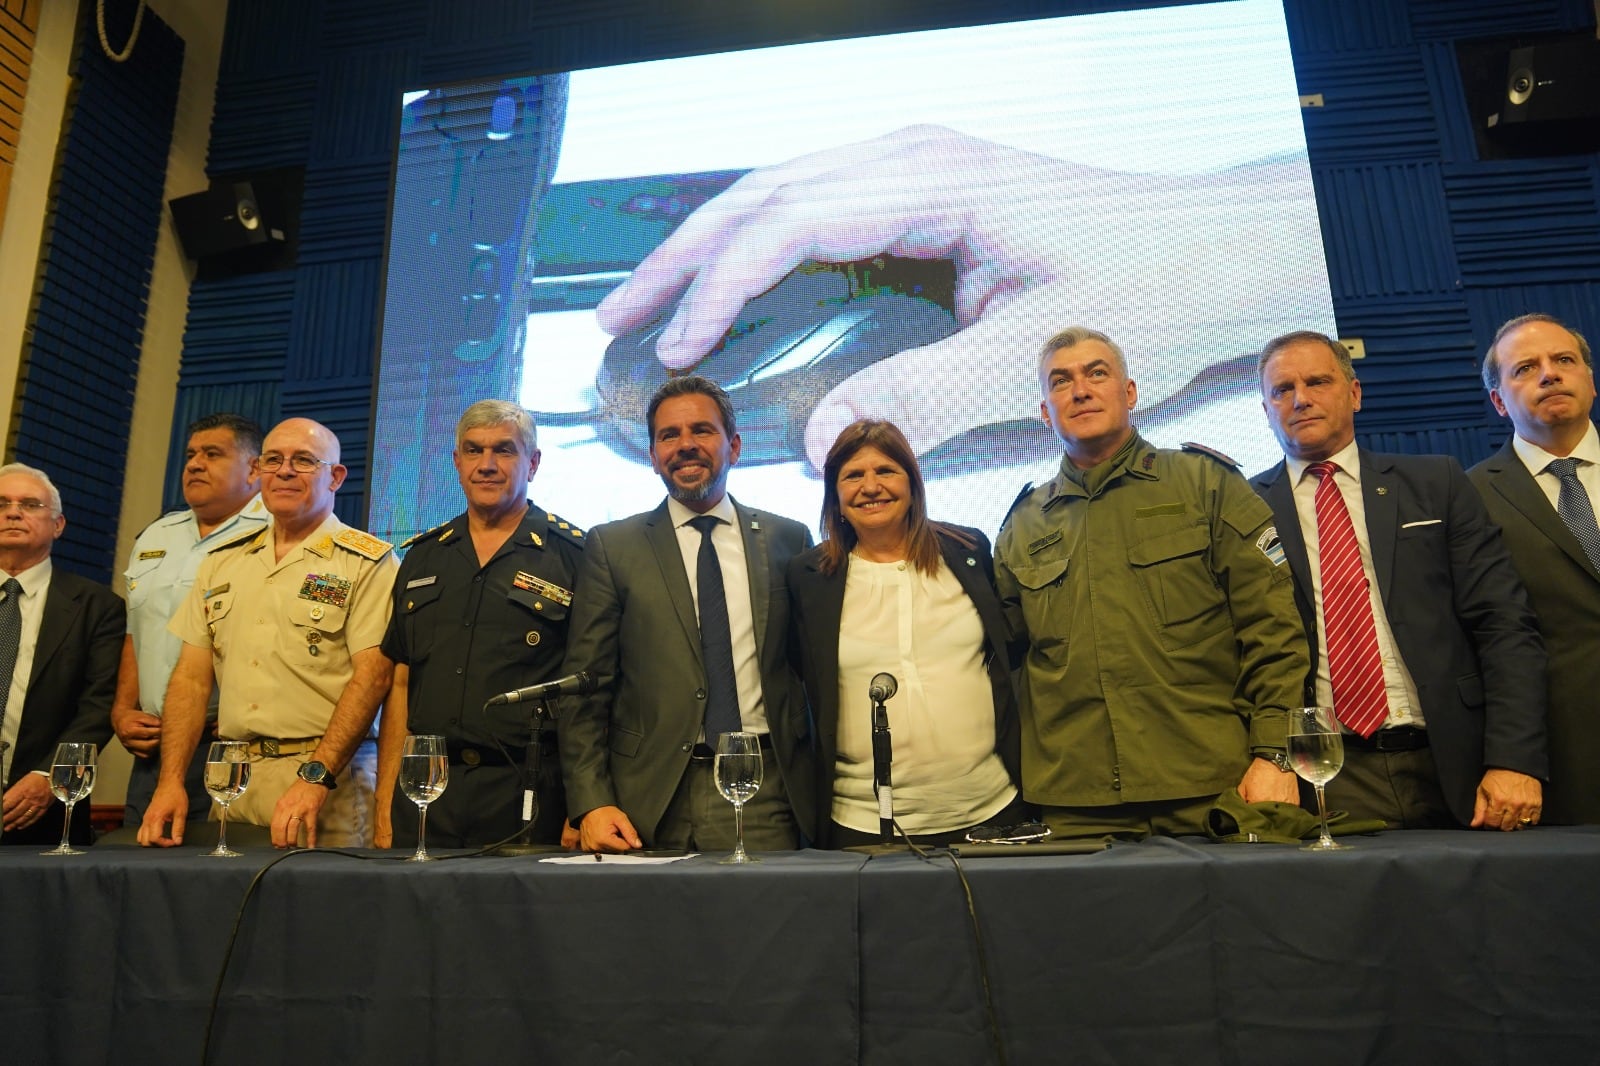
(252, 537)
(409, 541)
(362, 543)
(1201, 449)
(561, 527)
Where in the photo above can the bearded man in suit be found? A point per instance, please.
(684, 625)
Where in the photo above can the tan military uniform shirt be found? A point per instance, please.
(281, 634)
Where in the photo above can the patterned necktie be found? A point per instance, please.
(716, 637)
(1354, 665)
(1575, 509)
(10, 640)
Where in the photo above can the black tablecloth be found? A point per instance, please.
(1410, 948)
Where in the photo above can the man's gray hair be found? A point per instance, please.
(1341, 354)
(486, 413)
(1491, 359)
(1074, 335)
(33, 471)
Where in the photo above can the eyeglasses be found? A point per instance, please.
(300, 463)
(1026, 833)
(28, 506)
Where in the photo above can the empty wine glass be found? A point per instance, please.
(738, 775)
(227, 776)
(71, 779)
(424, 773)
(1316, 750)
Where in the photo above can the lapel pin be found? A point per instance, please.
(1382, 491)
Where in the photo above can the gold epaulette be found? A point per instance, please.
(363, 543)
(253, 537)
(564, 528)
(409, 541)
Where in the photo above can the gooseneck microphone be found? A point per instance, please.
(882, 687)
(579, 684)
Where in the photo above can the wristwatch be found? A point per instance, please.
(1280, 759)
(316, 774)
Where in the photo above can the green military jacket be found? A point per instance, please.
(1163, 642)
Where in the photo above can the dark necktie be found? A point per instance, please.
(10, 640)
(716, 638)
(1354, 664)
(1575, 509)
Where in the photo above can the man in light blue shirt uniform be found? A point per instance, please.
(220, 486)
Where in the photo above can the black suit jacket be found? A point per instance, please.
(1564, 588)
(74, 671)
(634, 628)
(818, 601)
(1459, 613)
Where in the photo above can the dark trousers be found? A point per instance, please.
(1399, 787)
(482, 805)
(146, 773)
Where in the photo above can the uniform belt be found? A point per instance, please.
(1400, 738)
(282, 747)
(490, 755)
(706, 753)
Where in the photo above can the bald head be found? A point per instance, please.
(300, 498)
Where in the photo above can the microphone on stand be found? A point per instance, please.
(882, 688)
(579, 684)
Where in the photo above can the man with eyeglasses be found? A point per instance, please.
(287, 623)
(220, 486)
(60, 635)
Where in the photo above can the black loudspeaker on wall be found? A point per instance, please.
(1551, 103)
(240, 224)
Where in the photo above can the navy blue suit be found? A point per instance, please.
(1456, 606)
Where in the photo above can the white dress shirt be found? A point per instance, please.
(728, 539)
(35, 583)
(1537, 460)
(1405, 707)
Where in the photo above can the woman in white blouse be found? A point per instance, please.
(888, 591)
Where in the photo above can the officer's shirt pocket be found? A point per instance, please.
(138, 582)
(1045, 608)
(218, 608)
(1179, 589)
(540, 624)
(419, 613)
(318, 628)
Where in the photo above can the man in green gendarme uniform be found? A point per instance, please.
(1163, 643)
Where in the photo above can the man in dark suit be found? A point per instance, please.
(60, 639)
(683, 621)
(1543, 489)
(1425, 645)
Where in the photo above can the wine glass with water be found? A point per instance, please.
(227, 776)
(1316, 750)
(424, 773)
(71, 779)
(738, 775)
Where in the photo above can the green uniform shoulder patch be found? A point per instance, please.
(362, 543)
(1201, 449)
(1027, 490)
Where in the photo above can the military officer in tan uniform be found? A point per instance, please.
(1163, 643)
(287, 623)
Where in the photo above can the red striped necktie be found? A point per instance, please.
(1359, 699)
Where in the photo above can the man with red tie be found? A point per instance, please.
(1423, 639)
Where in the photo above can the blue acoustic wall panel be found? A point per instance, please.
(1426, 243)
(81, 359)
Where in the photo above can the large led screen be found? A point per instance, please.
(885, 226)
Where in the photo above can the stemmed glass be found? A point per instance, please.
(227, 776)
(424, 773)
(71, 779)
(738, 775)
(1316, 751)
